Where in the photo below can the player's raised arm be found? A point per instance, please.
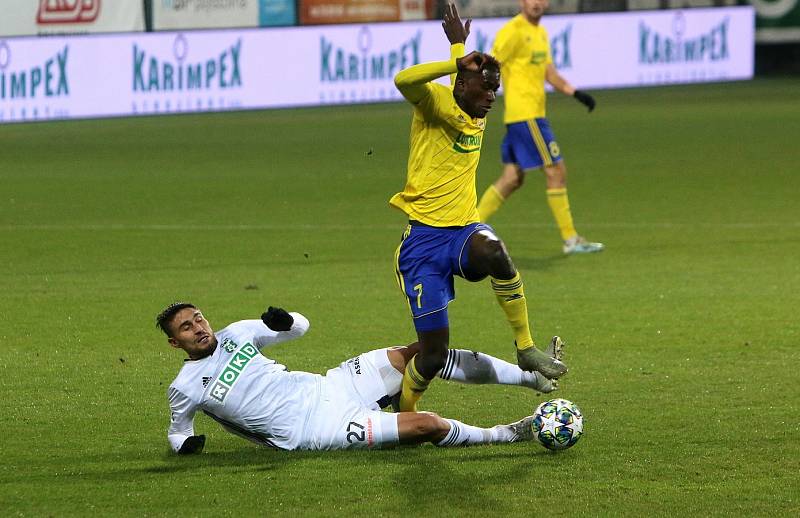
(279, 326)
(456, 32)
(413, 81)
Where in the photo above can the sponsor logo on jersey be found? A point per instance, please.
(229, 345)
(232, 371)
(538, 57)
(355, 365)
(467, 143)
(206, 379)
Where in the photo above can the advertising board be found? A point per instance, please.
(150, 73)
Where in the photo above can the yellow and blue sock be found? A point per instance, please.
(414, 385)
(511, 296)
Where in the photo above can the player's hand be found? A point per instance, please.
(585, 99)
(472, 61)
(455, 31)
(193, 444)
(277, 319)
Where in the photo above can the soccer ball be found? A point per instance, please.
(557, 424)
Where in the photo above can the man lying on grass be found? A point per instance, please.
(250, 395)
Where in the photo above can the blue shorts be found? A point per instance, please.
(530, 144)
(425, 263)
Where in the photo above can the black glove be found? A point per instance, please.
(277, 319)
(193, 444)
(585, 99)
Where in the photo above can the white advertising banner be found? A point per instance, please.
(611, 50)
(205, 14)
(48, 17)
(148, 73)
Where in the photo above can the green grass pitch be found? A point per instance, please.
(682, 336)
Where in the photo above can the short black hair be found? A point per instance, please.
(165, 317)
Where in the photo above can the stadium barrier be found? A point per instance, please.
(174, 72)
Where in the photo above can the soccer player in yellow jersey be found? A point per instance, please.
(523, 48)
(444, 236)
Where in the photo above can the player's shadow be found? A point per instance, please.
(454, 478)
(410, 467)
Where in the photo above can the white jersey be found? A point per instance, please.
(249, 394)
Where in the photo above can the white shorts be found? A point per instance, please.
(347, 414)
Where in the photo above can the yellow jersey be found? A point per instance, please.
(523, 50)
(445, 146)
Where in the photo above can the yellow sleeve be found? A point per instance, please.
(413, 81)
(456, 51)
(504, 44)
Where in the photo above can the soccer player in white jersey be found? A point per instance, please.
(227, 378)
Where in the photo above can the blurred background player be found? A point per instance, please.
(227, 378)
(523, 48)
(444, 236)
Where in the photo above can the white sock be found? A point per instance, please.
(461, 434)
(479, 368)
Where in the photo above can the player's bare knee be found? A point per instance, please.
(500, 265)
(488, 256)
(510, 182)
(556, 176)
(512, 177)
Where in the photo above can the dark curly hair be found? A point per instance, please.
(165, 317)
